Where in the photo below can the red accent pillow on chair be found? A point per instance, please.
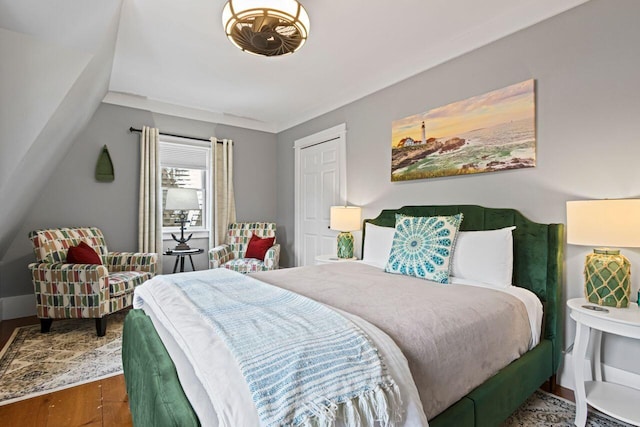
(258, 247)
(83, 254)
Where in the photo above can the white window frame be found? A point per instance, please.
(198, 232)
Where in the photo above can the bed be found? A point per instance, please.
(157, 397)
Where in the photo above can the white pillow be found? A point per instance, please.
(377, 244)
(484, 258)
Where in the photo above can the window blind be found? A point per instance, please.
(183, 155)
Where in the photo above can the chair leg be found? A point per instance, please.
(45, 325)
(101, 326)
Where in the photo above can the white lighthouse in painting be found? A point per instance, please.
(424, 134)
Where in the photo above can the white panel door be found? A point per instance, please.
(320, 182)
(320, 189)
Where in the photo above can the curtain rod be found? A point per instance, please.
(132, 129)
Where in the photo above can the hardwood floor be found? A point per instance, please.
(96, 404)
(564, 393)
(101, 403)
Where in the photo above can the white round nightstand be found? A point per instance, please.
(616, 400)
(328, 259)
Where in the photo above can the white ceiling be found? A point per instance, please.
(173, 57)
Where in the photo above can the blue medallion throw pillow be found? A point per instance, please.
(423, 246)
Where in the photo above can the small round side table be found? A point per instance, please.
(181, 254)
(616, 400)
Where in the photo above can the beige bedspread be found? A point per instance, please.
(454, 337)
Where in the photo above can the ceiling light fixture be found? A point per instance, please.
(266, 27)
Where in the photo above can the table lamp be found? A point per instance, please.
(345, 219)
(182, 199)
(607, 224)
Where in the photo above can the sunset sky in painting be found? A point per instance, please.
(515, 102)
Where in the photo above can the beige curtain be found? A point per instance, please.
(150, 206)
(224, 205)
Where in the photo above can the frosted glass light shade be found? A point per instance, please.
(345, 218)
(604, 223)
(182, 199)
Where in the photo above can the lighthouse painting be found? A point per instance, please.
(486, 133)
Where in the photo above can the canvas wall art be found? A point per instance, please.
(486, 133)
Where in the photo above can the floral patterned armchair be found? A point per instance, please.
(231, 254)
(84, 290)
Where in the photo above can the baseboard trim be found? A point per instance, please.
(609, 373)
(17, 306)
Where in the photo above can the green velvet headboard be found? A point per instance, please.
(538, 252)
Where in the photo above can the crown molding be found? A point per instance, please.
(161, 107)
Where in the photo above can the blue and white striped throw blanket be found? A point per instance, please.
(305, 364)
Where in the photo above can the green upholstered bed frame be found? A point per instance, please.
(157, 399)
(538, 261)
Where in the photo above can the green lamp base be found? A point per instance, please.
(606, 274)
(345, 245)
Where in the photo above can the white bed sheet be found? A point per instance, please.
(214, 384)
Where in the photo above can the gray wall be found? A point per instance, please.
(72, 197)
(585, 62)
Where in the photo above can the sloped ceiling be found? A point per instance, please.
(173, 54)
(56, 60)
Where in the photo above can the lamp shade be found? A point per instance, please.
(345, 218)
(604, 223)
(182, 199)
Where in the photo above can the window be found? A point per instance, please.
(185, 165)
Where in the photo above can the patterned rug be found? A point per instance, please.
(544, 409)
(32, 363)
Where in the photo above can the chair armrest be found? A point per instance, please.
(219, 255)
(70, 290)
(272, 257)
(94, 275)
(132, 261)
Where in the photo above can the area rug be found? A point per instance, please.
(32, 363)
(544, 409)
